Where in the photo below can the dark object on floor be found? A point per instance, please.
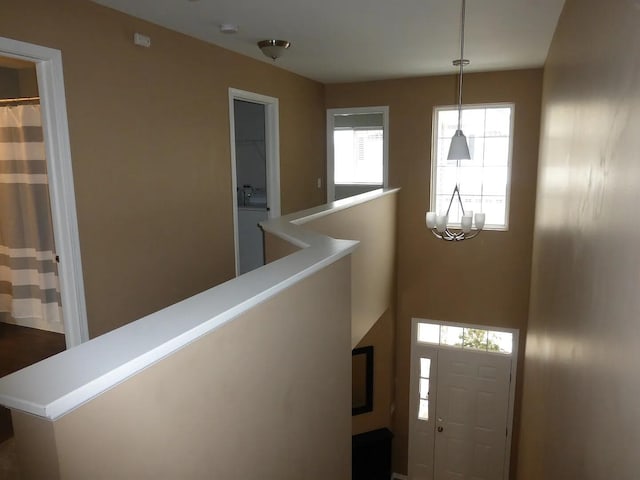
(19, 348)
(371, 455)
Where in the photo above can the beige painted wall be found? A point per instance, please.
(17, 81)
(28, 82)
(149, 136)
(485, 281)
(373, 298)
(373, 263)
(580, 416)
(276, 248)
(9, 83)
(266, 396)
(382, 338)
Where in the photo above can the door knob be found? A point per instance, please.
(440, 429)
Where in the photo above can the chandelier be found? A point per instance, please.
(458, 150)
(438, 223)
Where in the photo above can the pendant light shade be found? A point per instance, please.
(459, 149)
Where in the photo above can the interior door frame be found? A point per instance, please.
(331, 113)
(272, 150)
(512, 386)
(48, 64)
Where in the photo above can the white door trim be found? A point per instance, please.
(331, 112)
(512, 386)
(63, 204)
(272, 148)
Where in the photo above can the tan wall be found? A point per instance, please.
(28, 82)
(276, 248)
(580, 416)
(373, 263)
(266, 396)
(9, 83)
(16, 79)
(149, 136)
(382, 338)
(373, 299)
(484, 281)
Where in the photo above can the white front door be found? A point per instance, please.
(459, 412)
(471, 415)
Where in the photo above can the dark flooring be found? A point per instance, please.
(19, 348)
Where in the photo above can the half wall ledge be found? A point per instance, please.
(55, 386)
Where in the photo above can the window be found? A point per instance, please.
(466, 337)
(356, 150)
(358, 155)
(425, 374)
(485, 179)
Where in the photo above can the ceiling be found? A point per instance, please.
(356, 40)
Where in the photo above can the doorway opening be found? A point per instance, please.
(462, 393)
(55, 133)
(255, 171)
(42, 307)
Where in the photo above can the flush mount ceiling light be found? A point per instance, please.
(273, 48)
(458, 150)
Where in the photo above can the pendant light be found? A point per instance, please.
(459, 149)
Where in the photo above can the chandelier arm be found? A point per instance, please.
(452, 236)
(453, 194)
(457, 190)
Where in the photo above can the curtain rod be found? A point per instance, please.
(19, 100)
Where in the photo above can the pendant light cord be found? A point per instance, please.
(462, 16)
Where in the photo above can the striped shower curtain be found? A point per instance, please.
(29, 290)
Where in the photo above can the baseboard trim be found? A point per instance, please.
(397, 476)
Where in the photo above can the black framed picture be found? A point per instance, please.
(362, 380)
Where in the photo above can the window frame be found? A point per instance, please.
(487, 328)
(331, 113)
(357, 129)
(434, 163)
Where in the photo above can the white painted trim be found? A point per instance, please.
(55, 386)
(272, 151)
(333, 207)
(514, 369)
(63, 204)
(432, 353)
(331, 113)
